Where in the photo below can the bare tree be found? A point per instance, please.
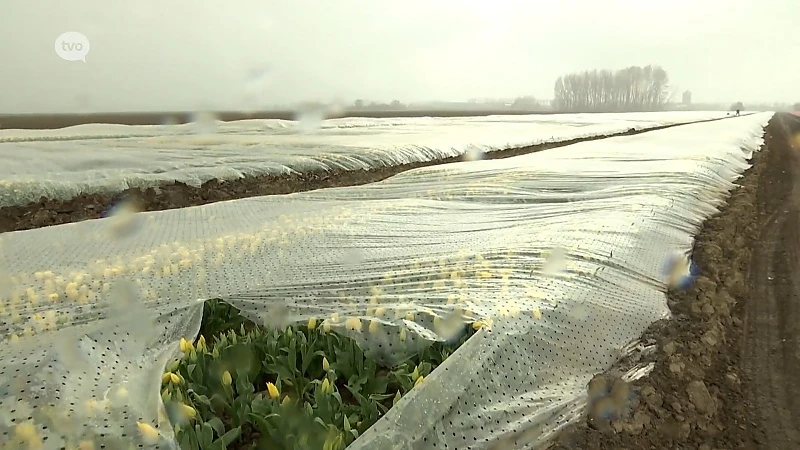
(631, 89)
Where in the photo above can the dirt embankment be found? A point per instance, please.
(727, 366)
(174, 195)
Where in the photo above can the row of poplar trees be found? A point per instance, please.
(634, 88)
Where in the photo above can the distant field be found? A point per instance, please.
(60, 163)
(52, 121)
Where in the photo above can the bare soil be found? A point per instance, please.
(727, 365)
(173, 195)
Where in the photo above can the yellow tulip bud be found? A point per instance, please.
(334, 441)
(185, 345)
(273, 391)
(326, 387)
(149, 434)
(419, 380)
(201, 344)
(188, 411)
(173, 367)
(477, 325)
(226, 378)
(312, 323)
(353, 324)
(26, 431)
(326, 366)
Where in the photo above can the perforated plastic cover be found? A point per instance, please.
(88, 320)
(59, 164)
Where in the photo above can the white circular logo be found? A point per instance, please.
(72, 46)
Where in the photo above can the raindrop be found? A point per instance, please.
(555, 262)
(795, 141)
(310, 117)
(337, 108)
(578, 311)
(679, 271)
(6, 285)
(83, 102)
(310, 121)
(124, 220)
(204, 122)
(474, 154)
(353, 256)
(169, 120)
(275, 317)
(257, 80)
(258, 74)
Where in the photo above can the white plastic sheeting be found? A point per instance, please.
(88, 321)
(61, 163)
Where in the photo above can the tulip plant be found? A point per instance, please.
(297, 388)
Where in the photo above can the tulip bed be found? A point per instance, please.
(248, 387)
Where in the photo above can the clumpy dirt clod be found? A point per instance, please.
(727, 370)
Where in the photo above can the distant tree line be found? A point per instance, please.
(631, 89)
(361, 105)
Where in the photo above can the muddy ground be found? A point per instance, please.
(47, 212)
(727, 366)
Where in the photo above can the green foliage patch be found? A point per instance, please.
(297, 388)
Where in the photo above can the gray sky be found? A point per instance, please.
(211, 54)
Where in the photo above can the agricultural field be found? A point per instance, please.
(79, 170)
(462, 305)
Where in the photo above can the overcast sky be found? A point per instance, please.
(211, 54)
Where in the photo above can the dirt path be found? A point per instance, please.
(727, 366)
(173, 195)
(771, 342)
